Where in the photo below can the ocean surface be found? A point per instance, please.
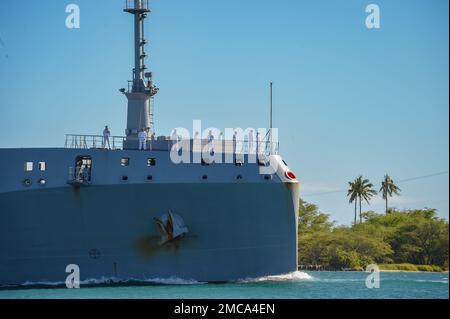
(297, 285)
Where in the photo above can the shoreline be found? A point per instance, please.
(381, 270)
(421, 271)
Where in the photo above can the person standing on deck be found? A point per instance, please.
(257, 144)
(142, 136)
(106, 135)
(86, 173)
(152, 140)
(250, 142)
(234, 145)
(210, 142)
(221, 142)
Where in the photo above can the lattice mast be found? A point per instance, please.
(141, 89)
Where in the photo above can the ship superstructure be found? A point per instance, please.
(129, 214)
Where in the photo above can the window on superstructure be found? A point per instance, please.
(28, 166)
(42, 166)
(151, 162)
(125, 161)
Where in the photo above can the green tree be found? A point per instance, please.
(422, 238)
(417, 237)
(388, 189)
(352, 193)
(310, 219)
(366, 192)
(361, 188)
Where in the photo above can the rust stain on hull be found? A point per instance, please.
(149, 246)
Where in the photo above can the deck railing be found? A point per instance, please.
(93, 141)
(239, 147)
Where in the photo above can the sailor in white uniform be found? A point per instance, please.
(142, 136)
(250, 142)
(220, 140)
(257, 143)
(106, 135)
(234, 143)
(210, 142)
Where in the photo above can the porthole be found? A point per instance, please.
(149, 177)
(124, 178)
(42, 182)
(239, 177)
(27, 182)
(268, 177)
(205, 177)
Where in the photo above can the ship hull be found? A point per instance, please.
(235, 231)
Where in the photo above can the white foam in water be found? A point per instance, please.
(292, 276)
(173, 281)
(112, 280)
(92, 281)
(42, 283)
(434, 281)
(101, 280)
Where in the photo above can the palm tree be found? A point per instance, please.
(360, 189)
(388, 188)
(366, 192)
(353, 194)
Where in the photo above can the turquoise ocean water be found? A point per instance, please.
(298, 285)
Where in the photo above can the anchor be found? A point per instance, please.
(170, 226)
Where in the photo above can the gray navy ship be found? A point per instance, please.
(133, 214)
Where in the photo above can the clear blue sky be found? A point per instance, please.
(348, 100)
